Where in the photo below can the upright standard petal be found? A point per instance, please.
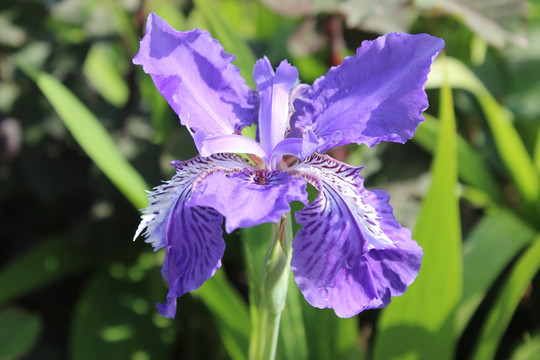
(274, 90)
(192, 236)
(351, 254)
(193, 72)
(249, 197)
(376, 95)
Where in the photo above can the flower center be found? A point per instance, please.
(261, 177)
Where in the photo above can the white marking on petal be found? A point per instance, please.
(189, 173)
(342, 182)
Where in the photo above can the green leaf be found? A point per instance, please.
(537, 152)
(230, 313)
(232, 42)
(472, 168)
(490, 247)
(102, 68)
(19, 331)
(49, 261)
(92, 137)
(507, 300)
(420, 324)
(330, 337)
(509, 145)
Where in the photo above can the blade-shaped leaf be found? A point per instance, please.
(330, 337)
(230, 313)
(92, 137)
(490, 247)
(102, 70)
(537, 152)
(507, 301)
(472, 168)
(509, 145)
(420, 324)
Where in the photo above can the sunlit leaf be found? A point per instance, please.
(102, 70)
(19, 331)
(472, 167)
(92, 137)
(420, 323)
(537, 152)
(509, 145)
(507, 300)
(490, 247)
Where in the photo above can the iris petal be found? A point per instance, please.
(193, 72)
(376, 95)
(192, 236)
(351, 253)
(274, 90)
(230, 144)
(249, 197)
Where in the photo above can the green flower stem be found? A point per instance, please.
(273, 292)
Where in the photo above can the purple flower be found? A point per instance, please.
(351, 254)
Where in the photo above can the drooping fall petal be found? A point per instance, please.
(351, 254)
(250, 197)
(191, 235)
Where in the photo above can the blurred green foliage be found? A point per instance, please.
(82, 131)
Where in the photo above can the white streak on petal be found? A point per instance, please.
(163, 198)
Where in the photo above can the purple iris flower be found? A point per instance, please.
(351, 254)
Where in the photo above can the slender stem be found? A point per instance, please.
(274, 291)
(272, 333)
